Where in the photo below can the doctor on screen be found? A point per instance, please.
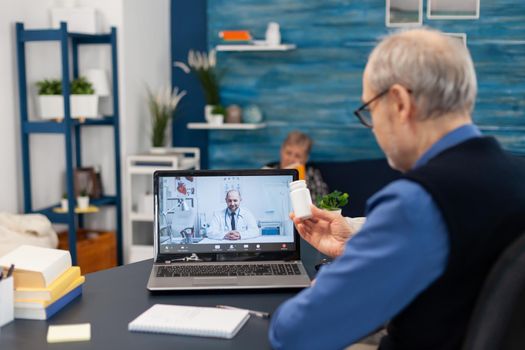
(233, 223)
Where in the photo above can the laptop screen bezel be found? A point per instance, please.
(222, 256)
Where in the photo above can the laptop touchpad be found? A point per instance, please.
(207, 281)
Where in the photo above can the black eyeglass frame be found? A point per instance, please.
(364, 107)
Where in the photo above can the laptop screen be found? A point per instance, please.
(224, 212)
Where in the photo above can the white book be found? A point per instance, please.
(36, 267)
(190, 320)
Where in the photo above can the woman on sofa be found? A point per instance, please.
(294, 153)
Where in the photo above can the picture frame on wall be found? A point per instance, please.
(404, 13)
(459, 36)
(453, 9)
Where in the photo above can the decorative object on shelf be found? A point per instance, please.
(273, 34)
(86, 179)
(83, 200)
(233, 114)
(79, 19)
(333, 201)
(64, 203)
(235, 35)
(100, 81)
(203, 64)
(84, 102)
(252, 114)
(217, 115)
(162, 107)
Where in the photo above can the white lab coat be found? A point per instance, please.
(245, 224)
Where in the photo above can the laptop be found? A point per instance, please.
(225, 229)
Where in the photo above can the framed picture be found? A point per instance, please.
(404, 13)
(453, 9)
(87, 180)
(459, 36)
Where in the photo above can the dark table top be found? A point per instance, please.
(113, 298)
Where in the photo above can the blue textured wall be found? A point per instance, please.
(316, 87)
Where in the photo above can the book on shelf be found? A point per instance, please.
(56, 288)
(44, 313)
(42, 304)
(36, 267)
(190, 320)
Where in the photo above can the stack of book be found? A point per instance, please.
(44, 281)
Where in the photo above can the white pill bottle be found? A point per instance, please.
(301, 199)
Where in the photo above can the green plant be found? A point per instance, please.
(49, 87)
(202, 64)
(64, 195)
(162, 108)
(218, 109)
(84, 193)
(333, 201)
(81, 86)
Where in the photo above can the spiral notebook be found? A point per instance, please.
(190, 320)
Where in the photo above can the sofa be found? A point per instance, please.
(359, 178)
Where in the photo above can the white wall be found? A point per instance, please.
(144, 57)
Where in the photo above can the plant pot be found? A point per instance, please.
(208, 112)
(83, 202)
(216, 119)
(158, 150)
(338, 211)
(64, 204)
(82, 106)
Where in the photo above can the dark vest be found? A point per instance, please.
(480, 191)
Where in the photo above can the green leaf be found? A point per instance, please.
(333, 201)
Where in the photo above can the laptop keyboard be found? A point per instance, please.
(228, 270)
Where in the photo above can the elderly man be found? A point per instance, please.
(233, 223)
(430, 238)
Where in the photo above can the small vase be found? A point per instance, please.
(64, 204)
(158, 150)
(216, 119)
(83, 202)
(208, 113)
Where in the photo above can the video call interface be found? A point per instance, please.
(225, 214)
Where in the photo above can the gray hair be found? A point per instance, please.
(436, 68)
(231, 191)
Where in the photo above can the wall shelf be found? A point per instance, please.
(253, 47)
(227, 126)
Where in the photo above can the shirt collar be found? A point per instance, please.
(456, 136)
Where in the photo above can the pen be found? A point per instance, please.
(260, 314)
(10, 271)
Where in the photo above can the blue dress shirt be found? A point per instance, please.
(402, 248)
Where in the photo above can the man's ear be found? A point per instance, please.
(402, 102)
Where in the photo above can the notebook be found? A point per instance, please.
(225, 229)
(190, 320)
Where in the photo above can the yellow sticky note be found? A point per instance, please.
(69, 333)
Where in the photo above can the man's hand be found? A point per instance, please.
(326, 231)
(232, 236)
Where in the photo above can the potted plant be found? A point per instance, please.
(333, 201)
(162, 106)
(83, 200)
(217, 115)
(50, 100)
(203, 65)
(83, 101)
(64, 202)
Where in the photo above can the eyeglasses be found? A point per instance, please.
(363, 112)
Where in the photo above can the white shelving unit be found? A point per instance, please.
(253, 47)
(138, 237)
(227, 126)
